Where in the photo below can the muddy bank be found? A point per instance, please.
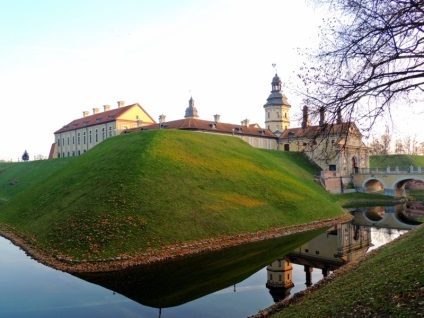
(70, 265)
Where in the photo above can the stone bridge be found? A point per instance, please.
(391, 180)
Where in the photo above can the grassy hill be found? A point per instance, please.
(382, 161)
(149, 189)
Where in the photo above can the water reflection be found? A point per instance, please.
(173, 283)
(235, 282)
(343, 243)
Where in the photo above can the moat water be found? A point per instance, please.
(235, 283)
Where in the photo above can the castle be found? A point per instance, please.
(337, 148)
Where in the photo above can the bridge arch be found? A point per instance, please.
(399, 184)
(373, 184)
(406, 179)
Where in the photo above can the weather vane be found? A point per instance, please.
(275, 67)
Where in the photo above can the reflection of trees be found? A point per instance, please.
(382, 236)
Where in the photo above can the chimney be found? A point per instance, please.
(84, 113)
(217, 118)
(339, 116)
(305, 121)
(106, 108)
(321, 116)
(162, 119)
(245, 122)
(95, 111)
(121, 104)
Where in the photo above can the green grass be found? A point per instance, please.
(153, 188)
(382, 161)
(388, 284)
(357, 199)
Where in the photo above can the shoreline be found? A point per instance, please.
(148, 258)
(345, 269)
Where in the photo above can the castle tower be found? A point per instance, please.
(191, 111)
(277, 109)
(279, 280)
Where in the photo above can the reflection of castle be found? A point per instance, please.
(342, 244)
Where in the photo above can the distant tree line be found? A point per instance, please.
(384, 145)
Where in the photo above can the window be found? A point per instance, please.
(268, 114)
(58, 154)
(89, 137)
(83, 137)
(68, 141)
(58, 142)
(79, 153)
(97, 136)
(280, 278)
(79, 139)
(63, 141)
(306, 250)
(278, 114)
(103, 134)
(110, 131)
(286, 147)
(332, 167)
(73, 140)
(63, 154)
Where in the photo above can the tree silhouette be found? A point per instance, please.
(371, 54)
(25, 156)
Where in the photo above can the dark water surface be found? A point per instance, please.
(237, 282)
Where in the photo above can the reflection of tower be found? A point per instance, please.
(279, 280)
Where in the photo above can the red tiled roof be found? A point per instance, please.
(99, 118)
(313, 131)
(211, 126)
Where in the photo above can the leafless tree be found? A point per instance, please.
(381, 145)
(399, 148)
(371, 53)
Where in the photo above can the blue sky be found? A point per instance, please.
(60, 57)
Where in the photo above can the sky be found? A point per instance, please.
(59, 58)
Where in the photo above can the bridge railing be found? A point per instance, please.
(391, 170)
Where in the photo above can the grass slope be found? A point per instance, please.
(388, 284)
(154, 188)
(404, 161)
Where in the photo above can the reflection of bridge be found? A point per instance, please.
(391, 180)
(390, 217)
